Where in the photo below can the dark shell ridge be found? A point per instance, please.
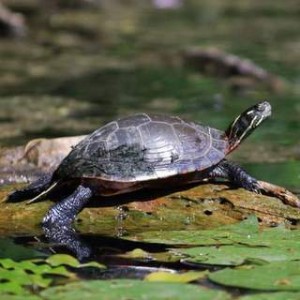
(145, 147)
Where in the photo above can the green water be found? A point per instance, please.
(78, 69)
(283, 173)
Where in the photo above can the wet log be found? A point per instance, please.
(39, 156)
(241, 74)
(11, 24)
(201, 207)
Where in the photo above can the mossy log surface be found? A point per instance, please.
(204, 206)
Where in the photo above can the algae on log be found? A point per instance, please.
(204, 206)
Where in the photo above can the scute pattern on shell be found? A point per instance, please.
(145, 147)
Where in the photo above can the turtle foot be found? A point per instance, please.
(235, 174)
(57, 223)
(251, 185)
(67, 237)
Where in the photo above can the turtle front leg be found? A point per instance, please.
(57, 223)
(235, 174)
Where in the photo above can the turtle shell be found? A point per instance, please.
(144, 147)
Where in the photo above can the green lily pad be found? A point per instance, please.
(17, 276)
(275, 276)
(11, 287)
(62, 259)
(22, 297)
(68, 260)
(131, 289)
(222, 235)
(246, 232)
(16, 279)
(272, 296)
(233, 255)
(137, 253)
(233, 244)
(272, 244)
(176, 277)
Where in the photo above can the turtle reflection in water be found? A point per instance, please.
(141, 151)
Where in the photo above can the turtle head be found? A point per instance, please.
(246, 122)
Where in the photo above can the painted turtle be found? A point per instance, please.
(145, 151)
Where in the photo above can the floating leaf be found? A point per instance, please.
(273, 244)
(17, 276)
(11, 287)
(275, 276)
(234, 244)
(137, 253)
(33, 268)
(246, 232)
(21, 297)
(175, 277)
(272, 296)
(37, 280)
(232, 255)
(131, 289)
(16, 280)
(60, 270)
(62, 259)
(8, 263)
(225, 235)
(92, 264)
(68, 260)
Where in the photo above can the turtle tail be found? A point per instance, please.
(36, 190)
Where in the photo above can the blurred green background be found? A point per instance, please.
(76, 64)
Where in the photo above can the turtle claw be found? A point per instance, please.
(258, 192)
(256, 189)
(251, 185)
